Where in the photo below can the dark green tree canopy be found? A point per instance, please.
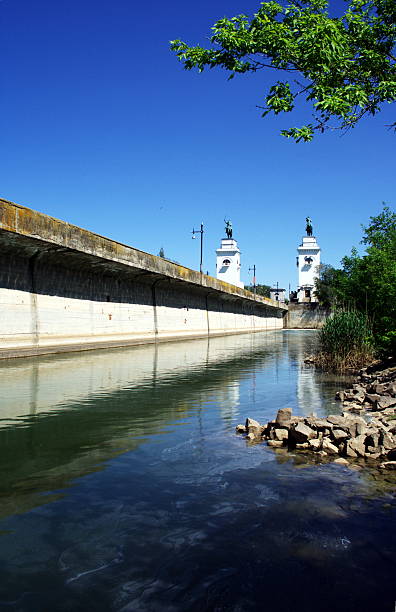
(367, 283)
(345, 67)
(263, 290)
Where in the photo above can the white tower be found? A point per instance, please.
(228, 261)
(308, 261)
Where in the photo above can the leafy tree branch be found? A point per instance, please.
(348, 63)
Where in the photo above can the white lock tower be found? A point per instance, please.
(308, 261)
(228, 260)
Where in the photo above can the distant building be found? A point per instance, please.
(278, 294)
(308, 261)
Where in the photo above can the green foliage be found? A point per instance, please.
(347, 64)
(368, 283)
(325, 285)
(346, 340)
(263, 290)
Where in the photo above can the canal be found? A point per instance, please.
(125, 488)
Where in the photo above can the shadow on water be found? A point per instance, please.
(124, 486)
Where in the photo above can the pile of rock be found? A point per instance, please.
(343, 437)
(374, 390)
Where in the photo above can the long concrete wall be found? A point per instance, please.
(63, 288)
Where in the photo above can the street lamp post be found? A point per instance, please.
(200, 231)
(254, 278)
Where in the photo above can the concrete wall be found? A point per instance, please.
(306, 316)
(63, 288)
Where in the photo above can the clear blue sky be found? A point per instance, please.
(102, 127)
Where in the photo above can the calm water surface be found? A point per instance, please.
(125, 488)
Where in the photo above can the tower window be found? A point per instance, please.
(226, 262)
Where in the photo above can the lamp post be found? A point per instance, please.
(200, 231)
(254, 279)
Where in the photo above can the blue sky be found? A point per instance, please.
(102, 127)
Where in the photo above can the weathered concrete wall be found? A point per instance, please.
(306, 316)
(63, 288)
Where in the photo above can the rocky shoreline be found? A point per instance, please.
(365, 430)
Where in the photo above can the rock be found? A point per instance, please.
(341, 461)
(361, 428)
(339, 435)
(372, 398)
(301, 433)
(317, 424)
(372, 437)
(391, 388)
(392, 454)
(386, 439)
(357, 444)
(322, 453)
(385, 402)
(373, 456)
(251, 436)
(302, 446)
(315, 444)
(281, 434)
(283, 417)
(379, 389)
(349, 451)
(347, 423)
(275, 443)
(240, 429)
(251, 423)
(358, 388)
(328, 447)
(268, 429)
(336, 419)
(340, 395)
(388, 465)
(254, 427)
(359, 397)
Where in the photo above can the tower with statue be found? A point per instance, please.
(228, 258)
(308, 262)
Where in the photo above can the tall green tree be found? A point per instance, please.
(345, 66)
(367, 283)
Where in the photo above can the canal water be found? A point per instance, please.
(125, 488)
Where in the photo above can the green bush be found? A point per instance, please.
(346, 341)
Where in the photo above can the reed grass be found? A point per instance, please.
(346, 342)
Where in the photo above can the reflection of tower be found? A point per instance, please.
(308, 260)
(228, 264)
(309, 391)
(228, 400)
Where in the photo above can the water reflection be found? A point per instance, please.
(124, 486)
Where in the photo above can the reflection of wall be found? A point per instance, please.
(87, 408)
(46, 384)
